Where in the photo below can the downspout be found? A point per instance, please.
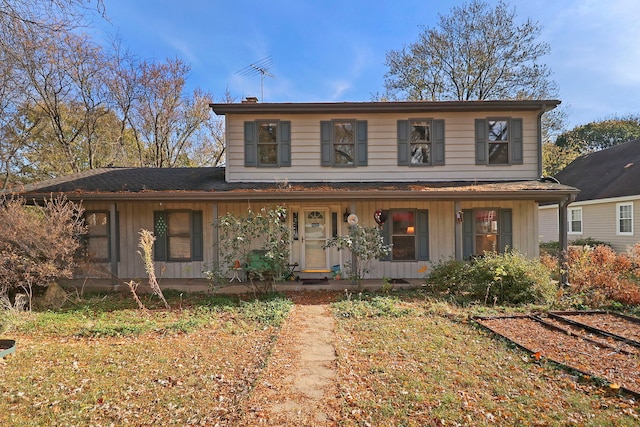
(563, 239)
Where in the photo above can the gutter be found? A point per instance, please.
(537, 195)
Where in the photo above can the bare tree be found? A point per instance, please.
(166, 122)
(476, 52)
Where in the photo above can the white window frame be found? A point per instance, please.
(570, 229)
(619, 218)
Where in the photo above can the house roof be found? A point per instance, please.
(384, 107)
(612, 172)
(209, 184)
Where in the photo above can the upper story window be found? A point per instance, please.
(624, 220)
(499, 141)
(267, 143)
(179, 235)
(343, 143)
(420, 142)
(574, 218)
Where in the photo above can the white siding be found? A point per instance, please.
(548, 220)
(598, 222)
(382, 150)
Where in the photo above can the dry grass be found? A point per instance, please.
(401, 361)
(405, 364)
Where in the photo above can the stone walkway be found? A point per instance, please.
(298, 386)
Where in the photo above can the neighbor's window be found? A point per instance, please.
(344, 143)
(97, 236)
(420, 142)
(498, 142)
(625, 218)
(486, 231)
(267, 143)
(403, 235)
(574, 217)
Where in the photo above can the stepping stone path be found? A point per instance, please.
(298, 386)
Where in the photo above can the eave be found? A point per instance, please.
(383, 107)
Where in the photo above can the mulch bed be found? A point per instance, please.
(581, 349)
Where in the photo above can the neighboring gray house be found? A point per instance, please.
(454, 179)
(608, 205)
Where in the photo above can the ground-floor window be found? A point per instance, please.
(407, 230)
(178, 235)
(97, 240)
(486, 230)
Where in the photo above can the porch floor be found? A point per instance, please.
(203, 285)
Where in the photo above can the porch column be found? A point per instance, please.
(354, 258)
(562, 237)
(457, 230)
(113, 246)
(215, 234)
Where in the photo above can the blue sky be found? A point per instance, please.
(334, 50)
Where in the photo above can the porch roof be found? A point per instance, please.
(200, 184)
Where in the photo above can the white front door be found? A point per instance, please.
(315, 226)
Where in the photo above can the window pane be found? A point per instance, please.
(403, 222)
(626, 226)
(268, 154)
(486, 243)
(97, 223)
(178, 223)
(179, 247)
(343, 133)
(267, 132)
(98, 248)
(486, 222)
(498, 153)
(498, 130)
(343, 154)
(420, 132)
(420, 154)
(404, 248)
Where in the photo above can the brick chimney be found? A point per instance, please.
(250, 100)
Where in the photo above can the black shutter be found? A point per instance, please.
(467, 233)
(506, 229)
(284, 156)
(250, 144)
(422, 233)
(517, 155)
(160, 232)
(403, 143)
(361, 143)
(197, 247)
(481, 142)
(438, 142)
(325, 144)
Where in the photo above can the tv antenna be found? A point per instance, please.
(259, 67)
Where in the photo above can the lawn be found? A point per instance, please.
(403, 360)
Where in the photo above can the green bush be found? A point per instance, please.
(508, 278)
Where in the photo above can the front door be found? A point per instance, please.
(315, 227)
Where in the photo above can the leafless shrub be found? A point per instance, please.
(38, 244)
(146, 245)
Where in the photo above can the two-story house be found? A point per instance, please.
(442, 179)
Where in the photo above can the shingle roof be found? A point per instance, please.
(613, 172)
(210, 184)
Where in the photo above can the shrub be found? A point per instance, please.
(508, 278)
(511, 278)
(600, 274)
(38, 244)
